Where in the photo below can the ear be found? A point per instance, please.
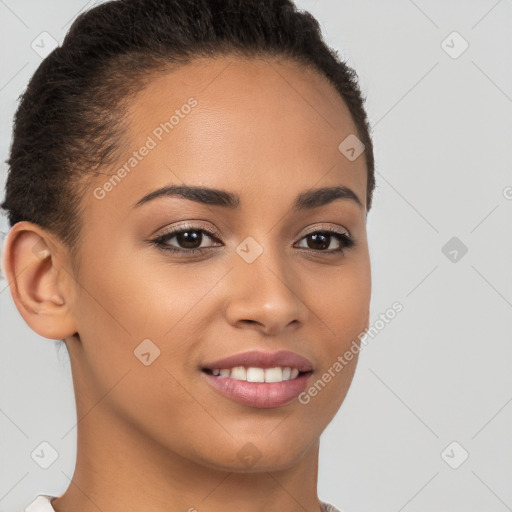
(40, 281)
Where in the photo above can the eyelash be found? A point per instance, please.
(346, 242)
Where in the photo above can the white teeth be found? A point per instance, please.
(238, 373)
(273, 374)
(253, 374)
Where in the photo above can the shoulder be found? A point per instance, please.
(42, 503)
(327, 507)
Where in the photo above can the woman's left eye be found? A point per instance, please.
(324, 238)
(190, 239)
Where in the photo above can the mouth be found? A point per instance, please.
(262, 388)
(259, 379)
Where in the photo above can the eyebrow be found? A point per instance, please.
(308, 199)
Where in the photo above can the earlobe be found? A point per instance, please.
(31, 266)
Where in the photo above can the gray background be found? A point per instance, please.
(439, 372)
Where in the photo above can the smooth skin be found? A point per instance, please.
(158, 437)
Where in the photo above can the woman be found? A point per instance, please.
(188, 189)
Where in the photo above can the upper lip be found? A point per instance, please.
(259, 359)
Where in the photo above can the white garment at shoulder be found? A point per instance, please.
(41, 504)
(327, 507)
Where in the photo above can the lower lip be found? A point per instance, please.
(260, 394)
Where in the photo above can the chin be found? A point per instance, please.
(258, 455)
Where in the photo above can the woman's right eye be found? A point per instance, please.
(188, 237)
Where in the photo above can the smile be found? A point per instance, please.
(258, 387)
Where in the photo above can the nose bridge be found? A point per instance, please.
(263, 264)
(263, 285)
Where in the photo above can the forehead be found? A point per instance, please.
(257, 96)
(256, 127)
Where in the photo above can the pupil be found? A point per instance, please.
(188, 238)
(324, 244)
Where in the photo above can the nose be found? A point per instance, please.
(264, 294)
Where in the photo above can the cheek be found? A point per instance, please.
(136, 336)
(339, 300)
(141, 297)
(341, 307)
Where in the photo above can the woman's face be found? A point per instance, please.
(150, 320)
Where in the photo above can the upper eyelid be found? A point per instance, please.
(191, 225)
(327, 227)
